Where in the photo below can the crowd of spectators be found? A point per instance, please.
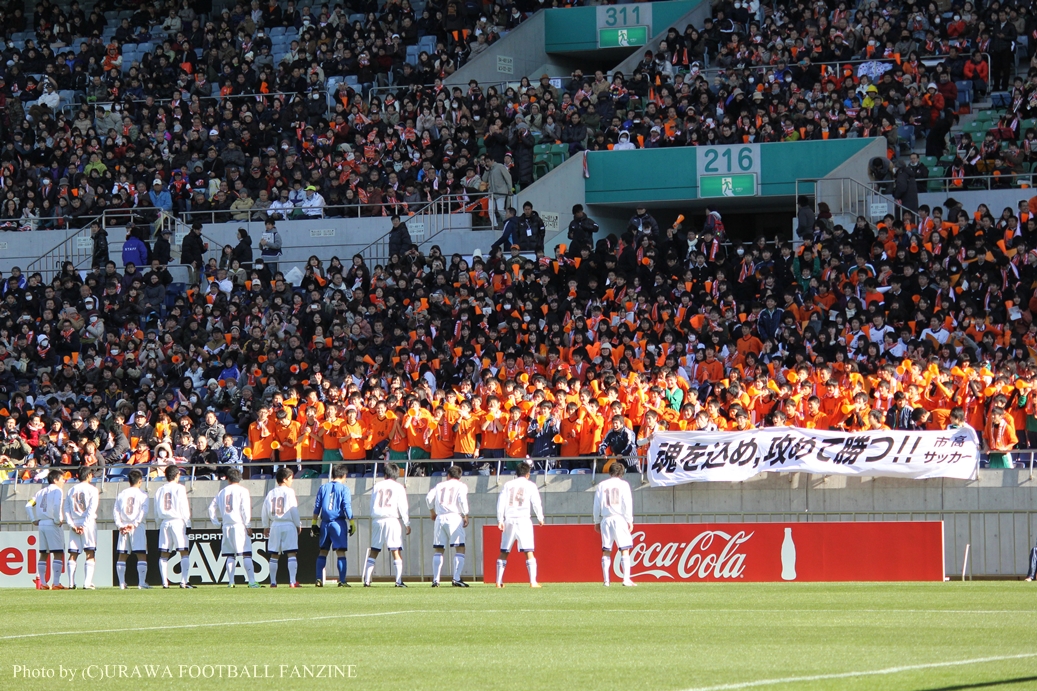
(228, 114)
(579, 352)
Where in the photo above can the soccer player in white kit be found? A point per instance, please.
(46, 511)
(281, 526)
(81, 515)
(388, 508)
(131, 517)
(231, 508)
(448, 504)
(173, 515)
(513, 505)
(614, 519)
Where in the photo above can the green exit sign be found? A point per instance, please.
(743, 185)
(621, 38)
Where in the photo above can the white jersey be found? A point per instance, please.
(81, 505)
(449, 497)
(131, 508)
(612, 498)
(516, 499)
(231, 506)
(281, 506)
(49, 509)
(171, 503)
(389, 500)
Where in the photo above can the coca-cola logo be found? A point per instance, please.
(711, 553)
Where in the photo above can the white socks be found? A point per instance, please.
(41, 570)
(397, 566)
(71, 571)
(531, 566)
(88, 580)
(458, 566)
(626, 567)
(163, 563)
(185, 569)
(57, 567)
(501, 563)
(293, 566)
(368, 570)
(605, 563)
(273, 571)
(120, 568)
(142, 571)
(232, 563)
(250, 570)
(437, 565)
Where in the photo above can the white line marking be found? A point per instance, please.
(209, 625)
(870, 673)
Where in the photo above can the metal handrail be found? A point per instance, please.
(852, 197)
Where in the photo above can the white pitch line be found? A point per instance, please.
(869, 673)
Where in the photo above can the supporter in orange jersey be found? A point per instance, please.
(351, 436)
(286, 434)
(417, 423)
(399, 449)
(1000, 438)
(570, 431)
(260, 435)
(591, 428)
(812, 417)
(379, 425)
(309, 443)
(327, 433)
(493, 429)
(465, 430)
(444, 418)
(515, 434)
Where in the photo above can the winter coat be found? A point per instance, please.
(134, 251)
(399, 240)
(100, 253)
(522, 144)
(905, 189)
(192, 251)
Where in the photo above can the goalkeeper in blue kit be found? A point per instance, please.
(333, 523)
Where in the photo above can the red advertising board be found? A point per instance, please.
(669, 552)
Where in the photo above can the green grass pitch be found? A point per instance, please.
(666, 637)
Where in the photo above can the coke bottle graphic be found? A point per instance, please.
(788, 557)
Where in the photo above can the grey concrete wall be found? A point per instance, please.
(996, 200)
(996, 514)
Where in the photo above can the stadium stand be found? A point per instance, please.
(205, 115)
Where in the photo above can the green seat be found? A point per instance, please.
(930, 161)
(542, 163)
(1027, 124)
(947, 160)
(935, 185)
(559, 152)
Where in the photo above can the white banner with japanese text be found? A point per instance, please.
(678, 457)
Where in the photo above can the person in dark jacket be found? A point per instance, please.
(507, 236)
(134, 251)
(805, 218)
(100, 253)
(581, 231)
(163, 251)
(643, 225)
(399, 237)
(905, 189)
(542, 434)
(243, 250)
(192, 251)
(529, 235)
(620, 441)
(522, 144)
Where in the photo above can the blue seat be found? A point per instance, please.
(580, 471)
(439, 473)
(324, 476)
(352, 80)
(263, 476)
(277, 31)
(234, 430)
(368, 475)
(558, 471)
(412, 54)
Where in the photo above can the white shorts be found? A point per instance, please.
(172, 535)
(87, 542)
(284, 537)
(520, 532)
(614, 531)
(448, 531)
(135, 541)
(236, 540)
(386, 533)
(52, 538)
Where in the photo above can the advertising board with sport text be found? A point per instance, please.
(733, 552)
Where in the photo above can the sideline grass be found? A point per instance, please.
(666, 637)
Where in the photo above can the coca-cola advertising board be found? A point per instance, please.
(732, 552)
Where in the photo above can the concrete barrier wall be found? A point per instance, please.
(995, 514)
